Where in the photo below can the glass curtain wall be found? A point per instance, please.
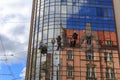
(53, 25)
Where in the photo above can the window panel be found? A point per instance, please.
(90, 72)
(108, 56)
(69, 54)
(100, 12)
(70, 71)
(89, 55)
(110, 74)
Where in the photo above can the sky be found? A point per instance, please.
(14, 34)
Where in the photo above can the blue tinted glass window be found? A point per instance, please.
(100, 12)
(110, 13)
(82, 10)
(91, 1)
(63, 0)
(93, 11)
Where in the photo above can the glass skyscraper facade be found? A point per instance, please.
(92, 55)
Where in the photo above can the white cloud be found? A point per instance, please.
(14, 29)
(22, 74)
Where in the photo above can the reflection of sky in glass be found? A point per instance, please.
(97, 12)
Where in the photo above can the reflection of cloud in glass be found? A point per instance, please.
(75, 14)
(63, 9)
(71, 7)
(91, 12)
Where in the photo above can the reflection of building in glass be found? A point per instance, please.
(96, 60)
(88, 48)
(46, 68)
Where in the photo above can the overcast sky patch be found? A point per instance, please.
(14, 28)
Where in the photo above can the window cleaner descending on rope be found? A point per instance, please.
(43, 48)
(71, 42)
(74, 36)
(58, 42)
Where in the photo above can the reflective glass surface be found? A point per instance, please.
(94, 24)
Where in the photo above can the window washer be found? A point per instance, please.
(74, 36)
(40, 46)
(89, 40)
(71, 42)
(58, 42)
(43, 48)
